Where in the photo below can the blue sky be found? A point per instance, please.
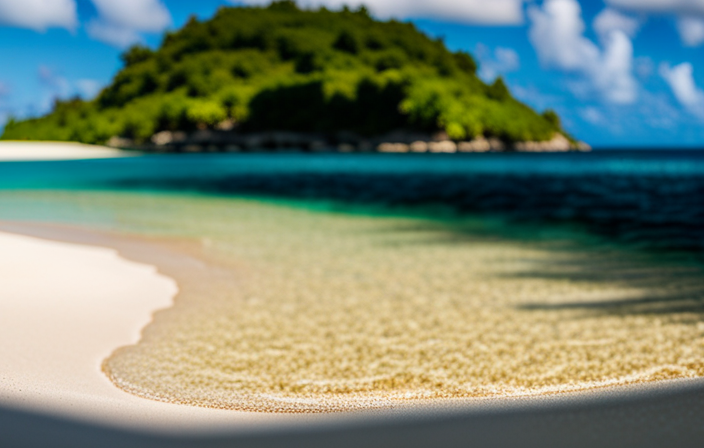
(619, 72)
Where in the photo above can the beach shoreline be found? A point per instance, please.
(20, 151)
(104, 411)
(56, 332)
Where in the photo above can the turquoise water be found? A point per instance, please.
(648, 198)
(214, 166)
(313, 304)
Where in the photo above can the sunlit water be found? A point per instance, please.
(650, 198)
(364, 290)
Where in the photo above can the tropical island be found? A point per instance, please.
(280, 77)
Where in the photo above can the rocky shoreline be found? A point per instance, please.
(225, 140)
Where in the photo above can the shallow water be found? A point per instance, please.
(373, 280)
(645, 198)
(312, 310)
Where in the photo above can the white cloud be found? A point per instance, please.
(141, 15)
(55, 83)
(690, 13)
(120, 22)
(592, 115)
(661, 6)
(534, 96)
(557, 33)
(88, 88)
(39, 14)
(507, 58)
(691, 30)
(57, 86)
(503, 60)
(118, 36)
(53, 86)
(614, 75)
(504, 12)
(610, 20)
(644, 67)
(681, 81)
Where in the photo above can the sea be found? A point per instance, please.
(648, 198)
(314, 282)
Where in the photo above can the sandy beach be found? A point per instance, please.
(55, 332)
(148, 285)
(38, 151)
(63, 309)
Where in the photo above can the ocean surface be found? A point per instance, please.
(653, 199)
(331, 282)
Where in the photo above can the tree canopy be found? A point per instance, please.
(285, 68)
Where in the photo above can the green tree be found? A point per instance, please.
(347, 41)
(498, 90)
(552, 118)
(136, 54)
(281, 67)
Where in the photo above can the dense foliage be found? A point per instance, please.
(280, 67)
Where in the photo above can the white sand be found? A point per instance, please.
(27, 151)
(63, 309)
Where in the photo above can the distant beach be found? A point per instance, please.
(26, 151)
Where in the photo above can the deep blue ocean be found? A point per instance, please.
(650, 198)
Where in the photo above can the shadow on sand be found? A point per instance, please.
(666, 414)
(669, 282)
(666, 286)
